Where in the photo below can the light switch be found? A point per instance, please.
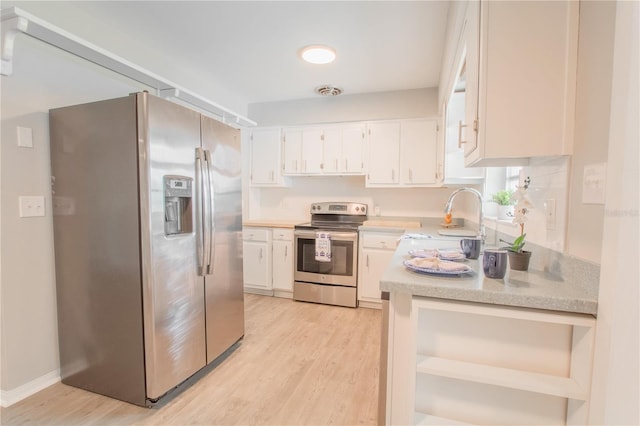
(593, 183)
(25, 137)
(31, 206)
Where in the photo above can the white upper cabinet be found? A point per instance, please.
(344, 149)
(468, 129)
(265, 157)
(418, 139)
(384, 153)
(402, 153)
(331, 149)
(525, 54)
(302, 150)
(292, 152)
(455, 171)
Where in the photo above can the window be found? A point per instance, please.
(512, 178)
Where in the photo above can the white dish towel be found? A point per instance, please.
(323, 247)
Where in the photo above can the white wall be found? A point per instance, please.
(616, 379)
(139, 49)
(43, 78)
(593, 95)
(370, 106)
(293, 202)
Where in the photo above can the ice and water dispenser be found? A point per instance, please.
(177, 205)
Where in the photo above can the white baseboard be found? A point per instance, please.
(283, 293)
(260, 291)
(369, 304)
(10, 397)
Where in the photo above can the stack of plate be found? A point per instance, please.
(436, 265)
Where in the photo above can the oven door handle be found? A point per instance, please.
(334, 235)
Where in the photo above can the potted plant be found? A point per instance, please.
(505, 204)
(519, 258)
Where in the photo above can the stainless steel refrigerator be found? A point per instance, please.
(148, 246)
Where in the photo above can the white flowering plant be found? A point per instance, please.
(523, 206)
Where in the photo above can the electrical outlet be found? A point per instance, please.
(550, 212)
(31, 206)
(593, 183)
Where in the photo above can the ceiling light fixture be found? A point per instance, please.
(318, 54)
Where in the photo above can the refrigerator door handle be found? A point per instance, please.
(206, 211)
(209, 162)
(200, 214)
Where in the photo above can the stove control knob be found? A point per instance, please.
(357, 208)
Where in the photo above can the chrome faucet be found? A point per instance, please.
(447, 208)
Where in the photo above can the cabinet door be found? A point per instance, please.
(257, 264)
(454, 170)
(265, 157)
(471, 36)
(418, 151)
(333, 147)
(384, 153)
(353, 149)
(282, 265)
(292, 151)
(532, 42)
(374, 263)
(312, 151)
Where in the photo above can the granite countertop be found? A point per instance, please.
(427, 226)
(529, 289)
(272, 223)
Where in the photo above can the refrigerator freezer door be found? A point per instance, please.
(223, 285)
(173, 293)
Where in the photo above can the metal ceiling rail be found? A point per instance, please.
(15, 21)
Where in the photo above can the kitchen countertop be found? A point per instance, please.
(272, 223)
(429, 226)
(529, 289)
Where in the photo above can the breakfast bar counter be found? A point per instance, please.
(454, 343)
(539, 289)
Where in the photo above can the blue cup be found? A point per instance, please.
(471, 247)
(494, 263)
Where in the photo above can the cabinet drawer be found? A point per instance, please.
(256, 234)
(380, 241)
(282, 234)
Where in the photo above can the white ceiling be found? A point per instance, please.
(252, 46)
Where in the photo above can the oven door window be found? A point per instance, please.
(341, 258)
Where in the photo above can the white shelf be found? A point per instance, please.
(516, 379)
(429, 420)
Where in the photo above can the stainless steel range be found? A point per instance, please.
(326, 254)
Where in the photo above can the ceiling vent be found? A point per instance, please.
(328, 90)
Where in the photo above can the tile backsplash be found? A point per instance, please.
(549, 186)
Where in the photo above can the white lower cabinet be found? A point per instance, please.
(470, 363)
(268, 261)
(375, 253)
(256, 269)
(282, 266)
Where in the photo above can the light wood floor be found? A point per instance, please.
(299, 363)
